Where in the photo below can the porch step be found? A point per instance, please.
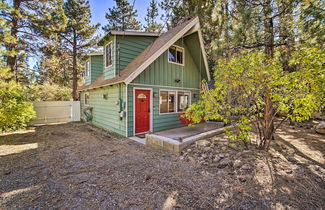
(174, 146)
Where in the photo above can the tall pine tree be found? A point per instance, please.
(29, 22)
(151, 23)
(78, 35)
(122, 17)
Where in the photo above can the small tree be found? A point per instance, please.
(152, 14)
(249, 87)
(122, 17)
(48, 92)
(15, 110)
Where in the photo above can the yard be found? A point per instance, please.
(70, 166)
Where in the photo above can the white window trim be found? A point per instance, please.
(176, 101)
(177, 47)
(111, 42)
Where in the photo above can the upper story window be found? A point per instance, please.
(108, 54)
(87, 68)
(176, 55)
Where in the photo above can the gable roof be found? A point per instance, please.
(151, 53)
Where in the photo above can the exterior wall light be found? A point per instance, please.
(177, 80)
(105, 96)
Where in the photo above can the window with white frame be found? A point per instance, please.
(183, 101)
(108, 54)
(86, 98)
(176, 55)
(173, 101)
(87, 68)
(167, 101)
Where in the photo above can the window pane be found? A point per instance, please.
(163, 100)
(171, 101)
(108, 54)
(172, 54)
(183, 101)
(179, 56)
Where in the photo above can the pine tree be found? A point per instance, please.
(122, 17)
(29, 22)
(5, 39)
(152, 14)
(78, 36)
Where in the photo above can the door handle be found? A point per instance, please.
(149, 110)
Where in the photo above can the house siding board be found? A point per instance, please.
(106, 112)
(161, 72)
(96, 67)
(160, 121)
(130, 48)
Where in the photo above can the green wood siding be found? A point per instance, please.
(160, 121)
(106, 111)
(96, 66)
(109, 72)
(161, 72)
(161, 75)
(130, 48)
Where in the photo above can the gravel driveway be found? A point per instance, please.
(70, 166)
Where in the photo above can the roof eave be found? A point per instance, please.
(125, 33)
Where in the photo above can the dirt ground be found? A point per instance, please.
(70, 166)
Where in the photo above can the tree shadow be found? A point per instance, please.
(306, 136)
(296, 151)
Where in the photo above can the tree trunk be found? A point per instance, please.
(12, 60)
(268, 30)
(269, 52)
(74, 69)
(286, 34)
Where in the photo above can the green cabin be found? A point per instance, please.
(141, 81)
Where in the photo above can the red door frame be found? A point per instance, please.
(134, 109)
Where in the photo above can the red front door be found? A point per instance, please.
(142, 111)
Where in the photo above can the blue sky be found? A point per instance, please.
(100, 7)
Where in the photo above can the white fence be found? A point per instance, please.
(48, 112)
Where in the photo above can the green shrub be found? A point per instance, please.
(49, 92)
(15, 110)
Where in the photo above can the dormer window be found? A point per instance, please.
(176, 55)
(87, 68)
(108, 54)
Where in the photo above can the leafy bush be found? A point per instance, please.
(49, 92)
(15, 110)
(250, 90)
